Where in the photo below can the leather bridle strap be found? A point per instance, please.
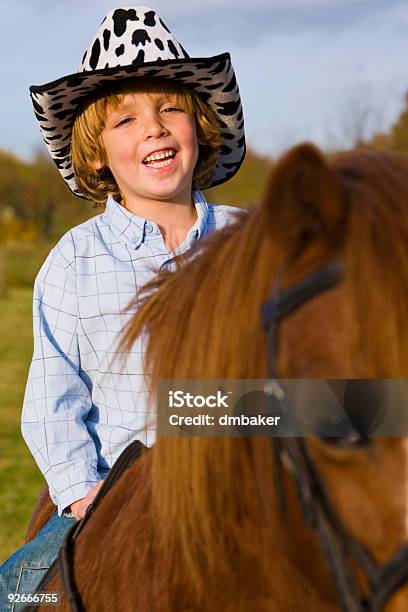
(280, 305)
(336, 544)
(391, 577)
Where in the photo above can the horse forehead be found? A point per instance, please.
(316, 341)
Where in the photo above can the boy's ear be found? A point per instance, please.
(304, 196)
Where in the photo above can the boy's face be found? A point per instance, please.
(151, 148)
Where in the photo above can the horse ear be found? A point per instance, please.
(304, 196)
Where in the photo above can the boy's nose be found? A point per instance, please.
(154, 127)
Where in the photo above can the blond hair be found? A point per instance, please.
(87, 147)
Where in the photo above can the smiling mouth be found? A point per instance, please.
(160, 159)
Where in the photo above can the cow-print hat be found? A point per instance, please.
(135, 42)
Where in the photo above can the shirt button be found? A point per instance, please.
(149, 227)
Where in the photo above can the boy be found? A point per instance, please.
(141, 125)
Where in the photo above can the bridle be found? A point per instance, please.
(340, 549)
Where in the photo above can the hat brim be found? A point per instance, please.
(56, 105)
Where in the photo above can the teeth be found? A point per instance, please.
(159, 164)
(159, 155)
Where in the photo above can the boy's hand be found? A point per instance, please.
(79, 507)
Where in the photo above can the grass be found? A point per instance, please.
(22, 262)
(20, 478)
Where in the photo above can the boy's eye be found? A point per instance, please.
(124, 121)
(169, 109)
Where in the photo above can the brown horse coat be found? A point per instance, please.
(43, 511)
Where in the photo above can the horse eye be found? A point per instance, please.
(343, 413)
(333, 427)
(352, 440)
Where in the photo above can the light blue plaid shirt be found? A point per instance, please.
(80, 410)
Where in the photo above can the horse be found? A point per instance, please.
(248, 523)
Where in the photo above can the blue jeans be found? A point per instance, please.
(23, 571)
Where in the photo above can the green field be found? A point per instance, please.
(20, 478)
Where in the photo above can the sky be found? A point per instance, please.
(320, 70)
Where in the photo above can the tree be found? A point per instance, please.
(399, 131)
(248, 184)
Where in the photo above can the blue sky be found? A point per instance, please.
(321, 70)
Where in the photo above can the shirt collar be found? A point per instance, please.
(134, 229)
(126, 226)
(201, 207)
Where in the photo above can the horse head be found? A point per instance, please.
(348, 215)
